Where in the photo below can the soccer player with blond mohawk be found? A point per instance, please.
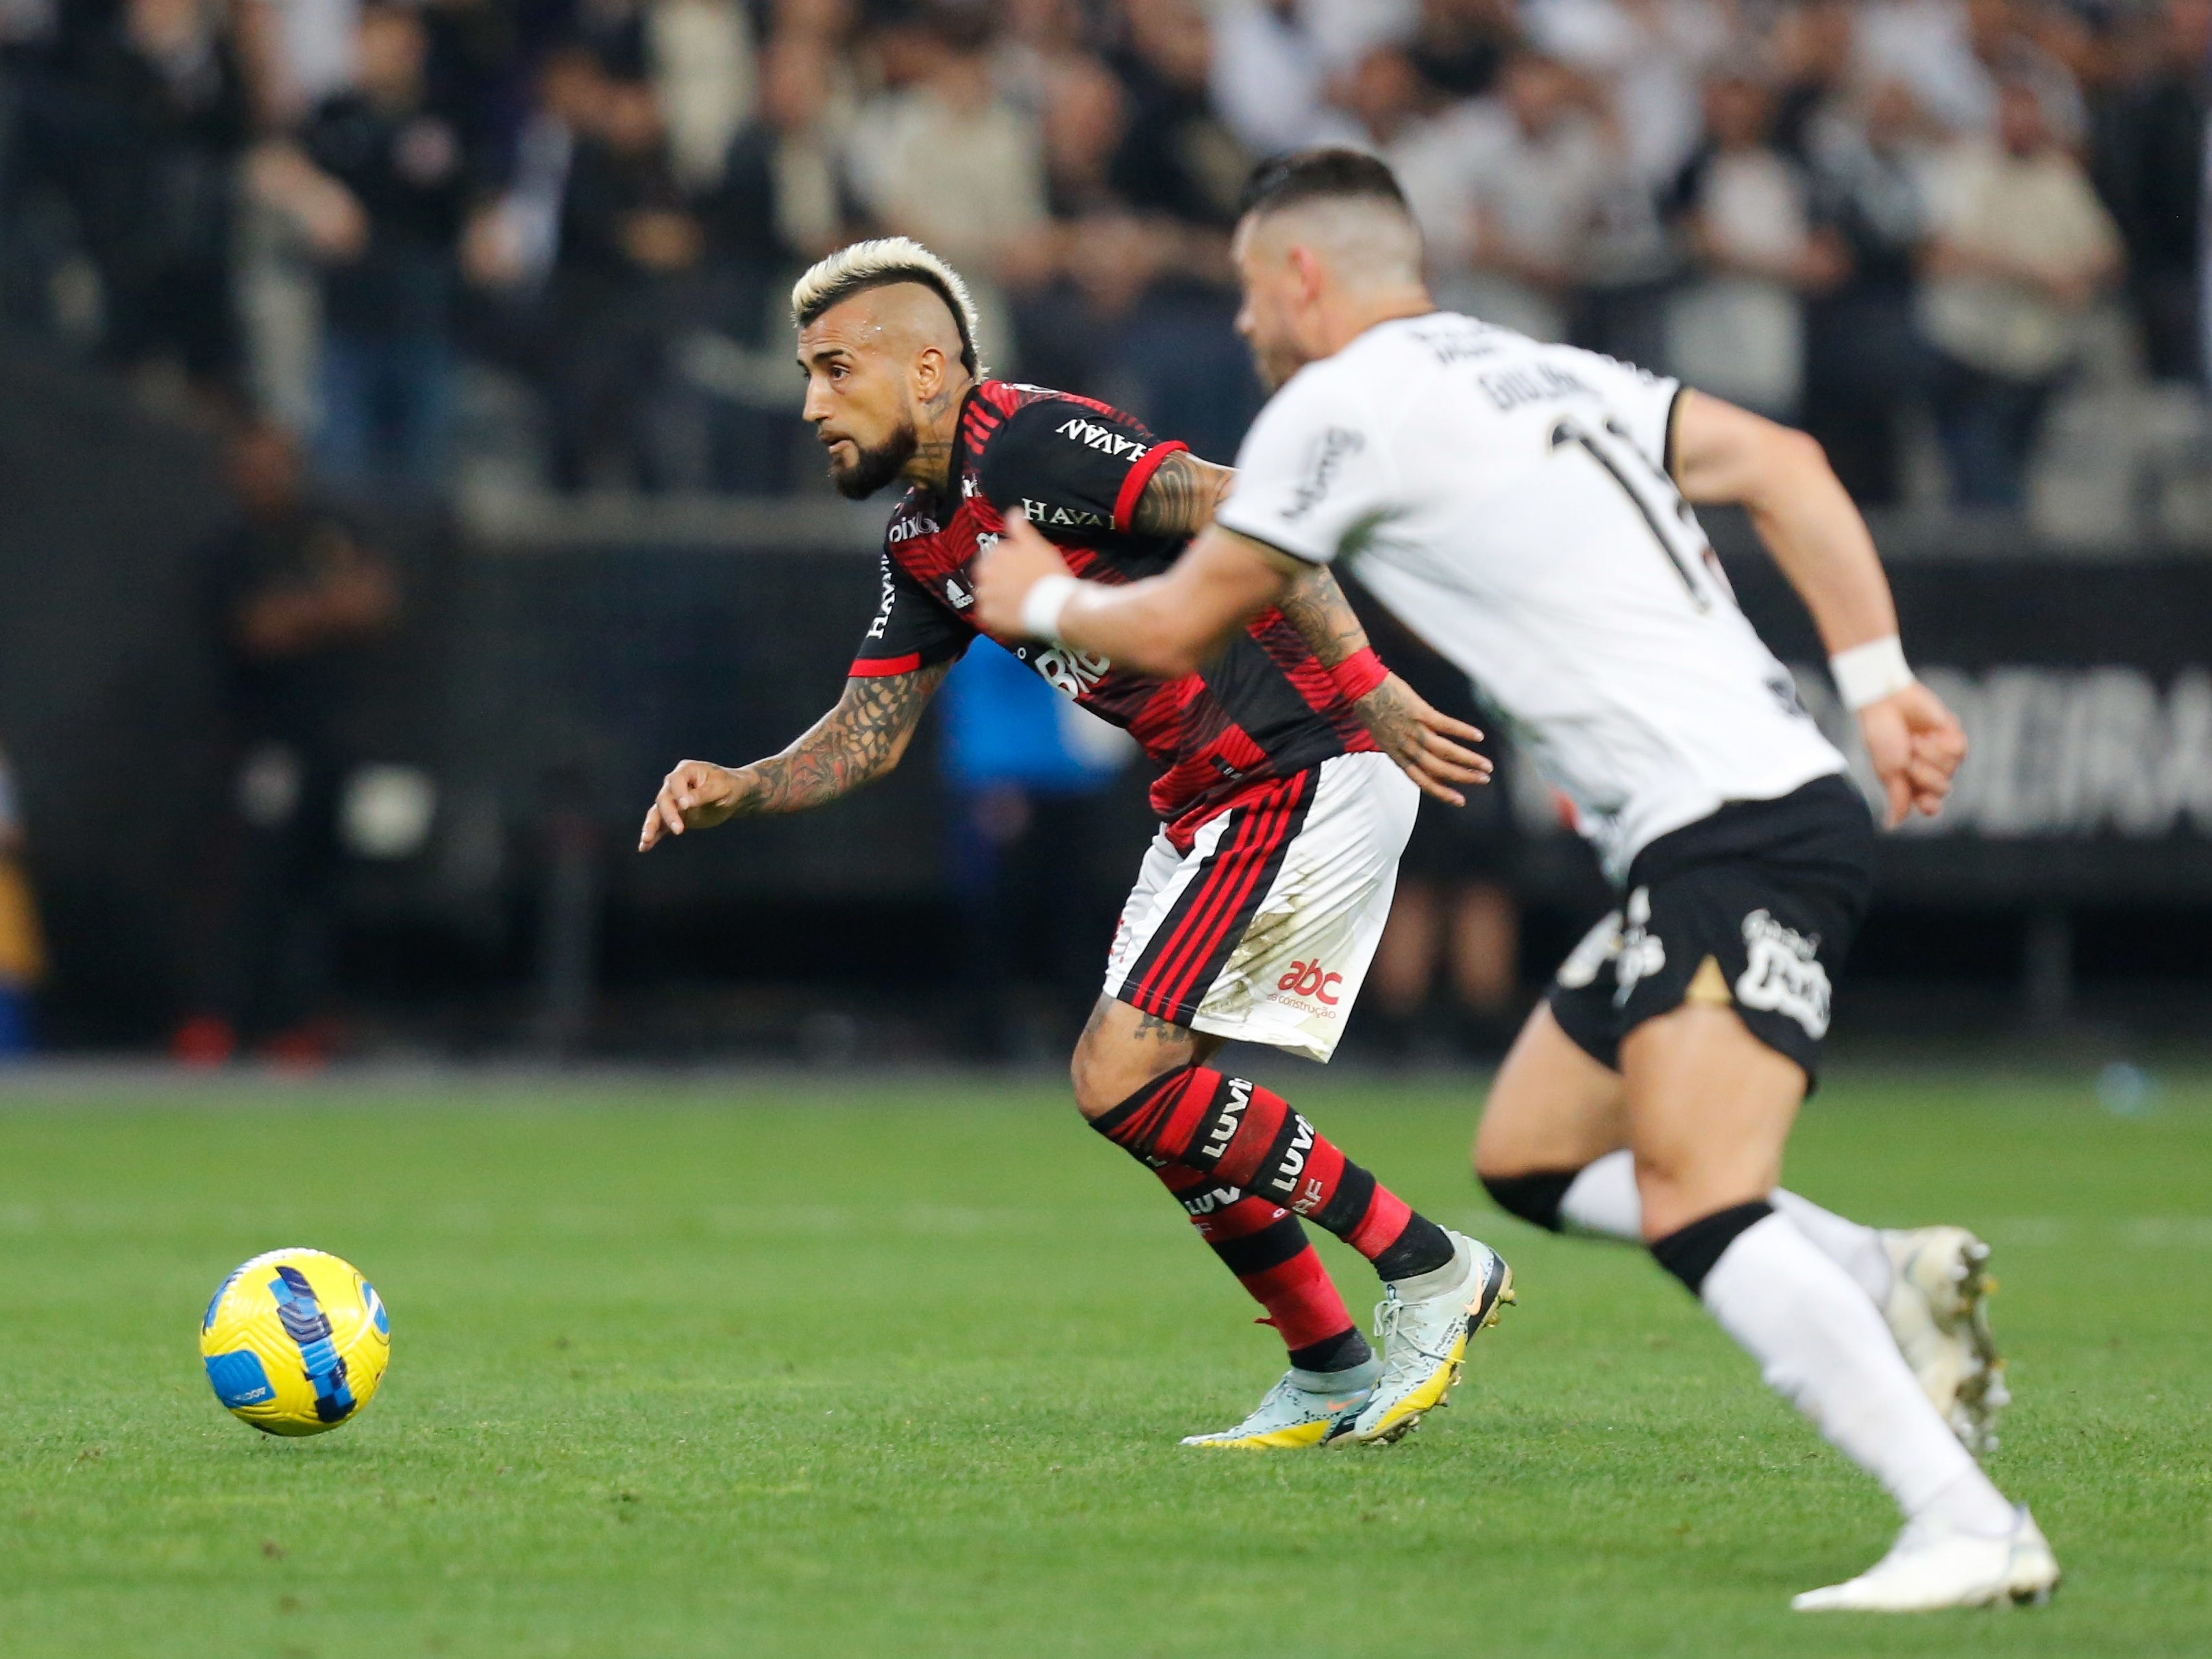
(1528, 509)
(1289, 765)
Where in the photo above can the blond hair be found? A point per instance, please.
(879, 263)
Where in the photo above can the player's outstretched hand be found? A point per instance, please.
(1916, 745)
(1005, 572)
(1423, 741)
(696, 795)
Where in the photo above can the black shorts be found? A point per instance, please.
(1753, 908)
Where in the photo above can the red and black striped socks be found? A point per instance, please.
(1238, 1135)
(1264, 1246)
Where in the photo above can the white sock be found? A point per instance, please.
(1602, 1200)
(1821, 1346)
(1854, 1248)
(1437, 1281)
(1362, 1376)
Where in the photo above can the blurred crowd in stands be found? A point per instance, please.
(402, 252)
(549, 239)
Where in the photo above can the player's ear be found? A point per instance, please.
(928, 373)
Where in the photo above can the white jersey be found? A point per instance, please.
(1510, 502)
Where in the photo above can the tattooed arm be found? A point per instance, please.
(1180, 497)
(1317, 607)
(855, 742)
(1404, 726)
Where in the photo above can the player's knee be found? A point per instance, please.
(1104, 1077)
(1099, 1082)
(1534, 1195)
(1497, 1148)
(1490, 1154)
(1083, 1079)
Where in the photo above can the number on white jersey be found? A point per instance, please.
(1613, 449)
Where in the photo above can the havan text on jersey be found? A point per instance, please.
(1263, 710)
(1093, 435)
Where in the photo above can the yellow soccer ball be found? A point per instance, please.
(295, 1342)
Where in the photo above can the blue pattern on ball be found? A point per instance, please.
(237, 1379)
(309, 1327)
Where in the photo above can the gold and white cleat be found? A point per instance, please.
(1931, 1567)
(1938, 1310)
(1425, 1344)
(1306, 1408)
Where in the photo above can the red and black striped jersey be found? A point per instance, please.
(1263, 710)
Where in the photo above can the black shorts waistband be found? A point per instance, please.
(1827, 819)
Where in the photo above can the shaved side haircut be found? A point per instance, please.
(1346, 201)
(885, 262)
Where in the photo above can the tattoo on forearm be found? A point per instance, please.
(1317, 607)
(859, 740)
(1180, 496)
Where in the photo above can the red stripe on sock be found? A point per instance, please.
(1133, 1132)
(1257, 1130)
(1239, 1217)
(1302, 1304)
(1379, 1229)
(1324, 1169)
(1247, 1215)
(1193, 1108)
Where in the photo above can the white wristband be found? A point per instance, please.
(1047, 599)
(1867, 673)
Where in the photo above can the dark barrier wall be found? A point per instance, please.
(104, 704)
(2085, 689)
(558, 660)
(587, 672)
(111, 694)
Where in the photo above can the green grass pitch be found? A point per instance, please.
(876, 1368)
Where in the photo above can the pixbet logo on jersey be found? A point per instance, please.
(1310, 979)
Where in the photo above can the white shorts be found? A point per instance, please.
(1263, 930)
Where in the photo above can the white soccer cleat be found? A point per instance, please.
(1938, 1310)
(1425, 1342)
(1295, 1414)
(1930, 1567)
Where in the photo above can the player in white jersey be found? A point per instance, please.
(1527, 510)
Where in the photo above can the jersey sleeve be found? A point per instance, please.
(1641, 401)
(1071, 465)
(1314, 477)
(911, 630)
